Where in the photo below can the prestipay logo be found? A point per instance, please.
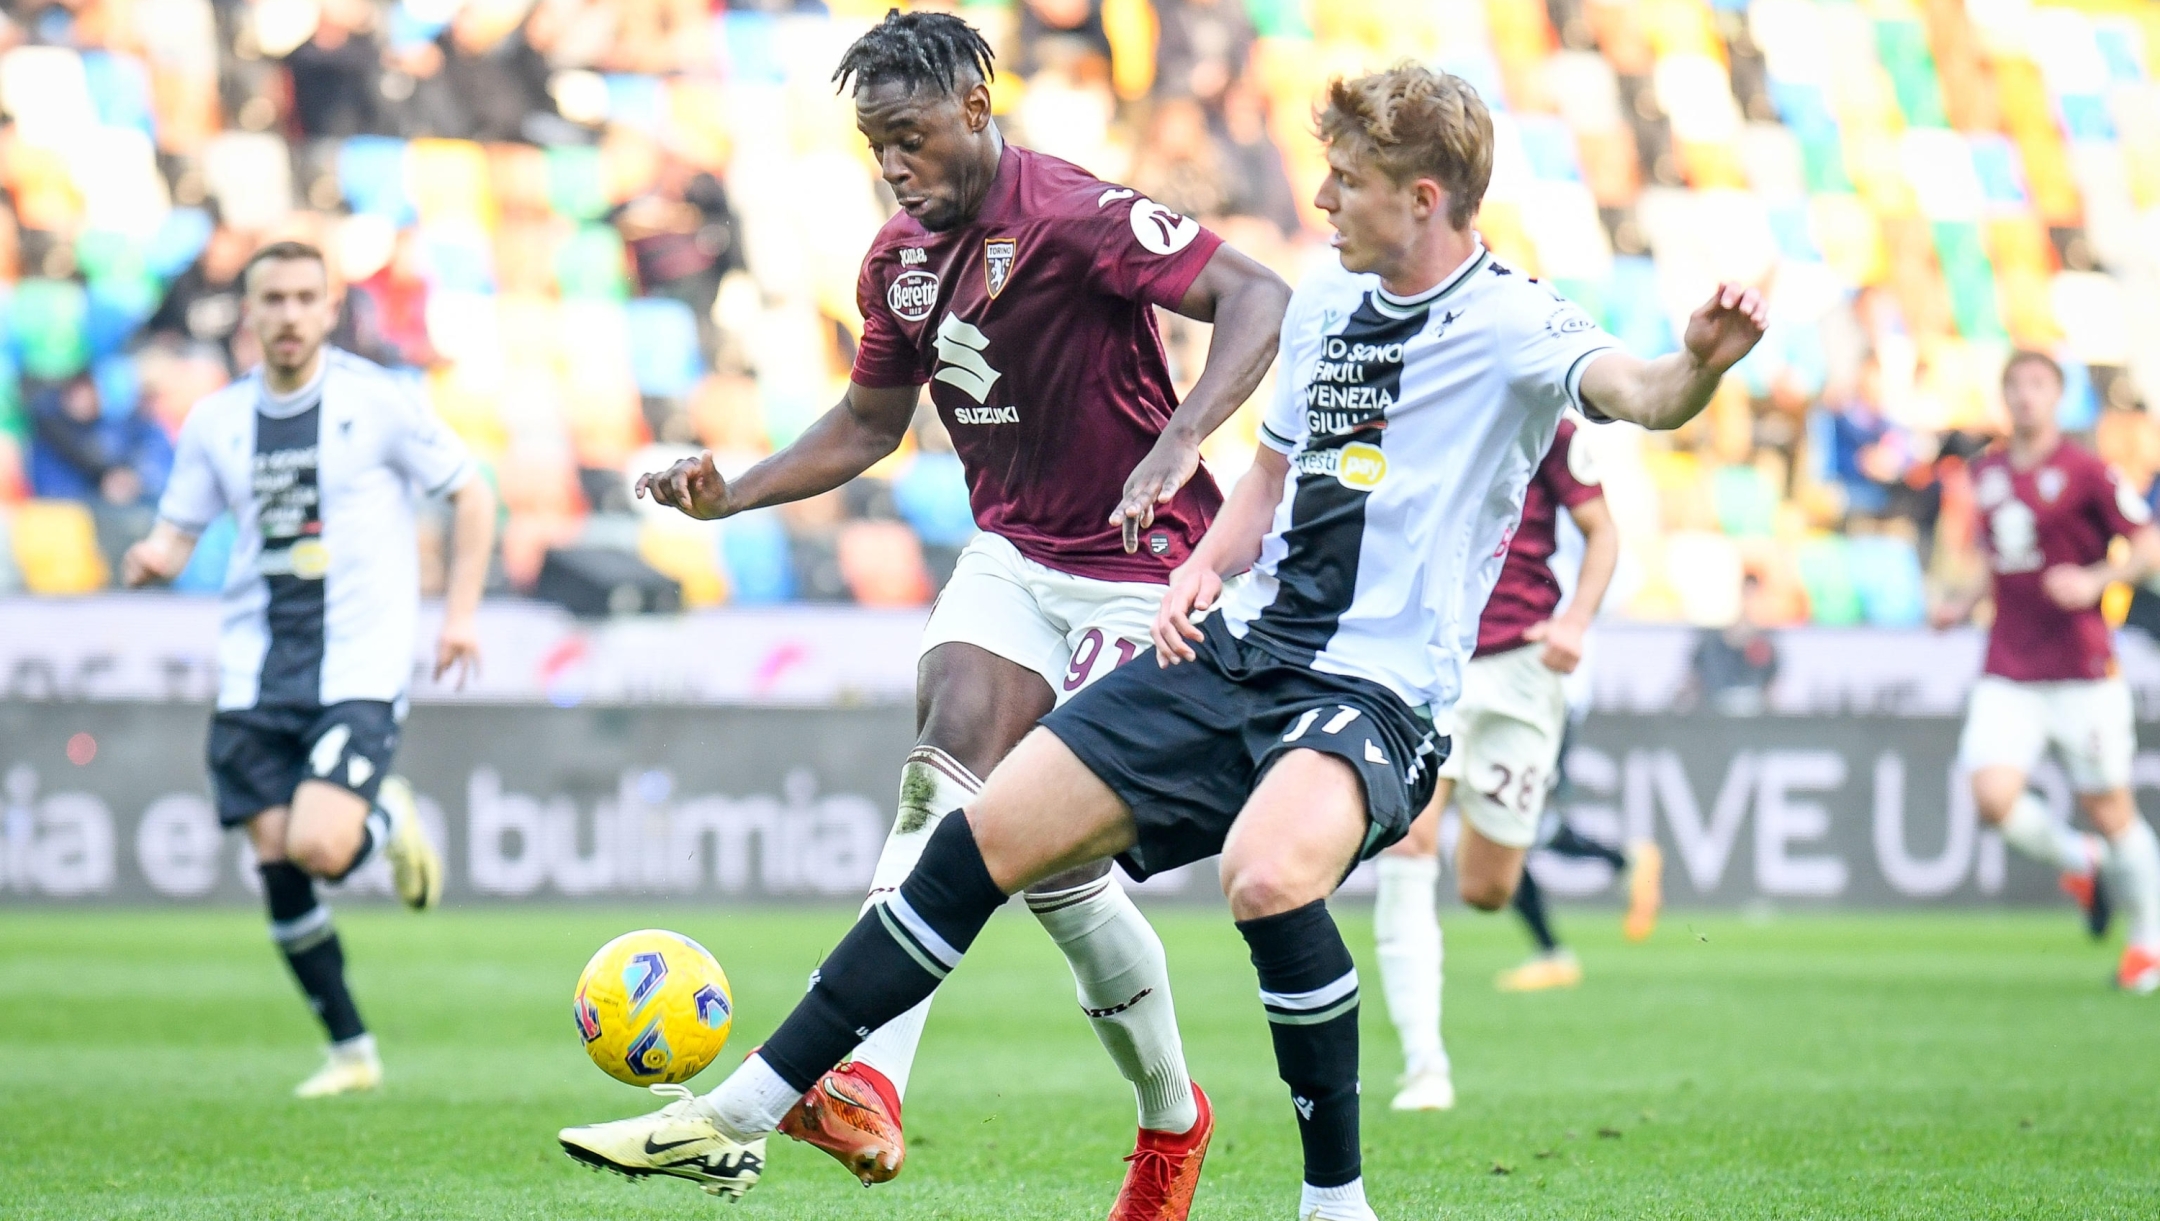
(913, 295)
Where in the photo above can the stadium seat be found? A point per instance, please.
(1704, 572)
(449, 184)
(760, 567)
(55, 547)
(119, 88)
(1746, 503)
(882, 563)
(1886, 575)
(932, 495)
(46, 324)
(574, 183)
(250, 175)
(590, 263)
(180, 237)
(371, 175)
(10, 577)
(686, 552)
(1825, 562)
(664, 353)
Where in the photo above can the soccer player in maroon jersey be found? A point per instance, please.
(1022, 290)
(1508, 725)
(2049, 510)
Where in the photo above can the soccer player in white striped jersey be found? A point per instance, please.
(317, 455)
(1292, 732)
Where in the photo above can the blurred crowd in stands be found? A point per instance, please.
(599, 233)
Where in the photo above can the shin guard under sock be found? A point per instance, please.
(1309, 987)
(300, 925)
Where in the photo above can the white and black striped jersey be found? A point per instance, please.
(1412, 428)
(323, 589)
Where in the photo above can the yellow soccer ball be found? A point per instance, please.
(653, 1006)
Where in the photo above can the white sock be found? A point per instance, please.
(2031, 831)
(1407, 928)
(750, 1103)
(358, 1047)
(932, 785)
(1124, 981)
(2135, 871)
(1344, 1203)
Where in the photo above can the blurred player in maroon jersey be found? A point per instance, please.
(2049, 510)
(1022, 290)
(1508, 726)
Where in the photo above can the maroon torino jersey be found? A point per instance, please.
(2065, 510)
(1527, 591)
(1032, 324)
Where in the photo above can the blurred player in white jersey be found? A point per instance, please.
(2050, 511)
(317, 455)
(1507, 731)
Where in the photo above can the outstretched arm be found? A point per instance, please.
(868, 424)
(1562, 635)
(1673, 389)
(1229, 547)
(1245, 301)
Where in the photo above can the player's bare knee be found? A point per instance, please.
(1485, 894)
(1264, 887)
(318, 853)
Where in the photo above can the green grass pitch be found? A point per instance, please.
(1940, 1065)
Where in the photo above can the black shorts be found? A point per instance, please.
(258, 756)
(1184, 747)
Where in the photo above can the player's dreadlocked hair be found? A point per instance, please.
(922, 49)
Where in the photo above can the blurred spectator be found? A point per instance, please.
(203, 303)
(1732, 668)
(1053, 29)
(482, 79)
(337, 73)
(1259, 182)
(681, 235)
(81, 453)
(385, 315)
(1179, 164)
(1203, 48)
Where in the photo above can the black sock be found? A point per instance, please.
(897, 954)
(301, 927)
(1309, 988)
(1530, 905)
(374, 832)
(1568, 842)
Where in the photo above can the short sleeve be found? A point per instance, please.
(1551, 341)
(886, 359)
(1140, 250)
(1282, 421)
(431, 456)
(1569, 470)
(193, 499)
(2118, 506)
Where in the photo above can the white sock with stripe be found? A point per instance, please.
(1124, 981)
(1406, 930)
(932, 784)
(751, 1102)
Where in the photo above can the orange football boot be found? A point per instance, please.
(1163, 1170)
(2139, 970)
(853, 1114)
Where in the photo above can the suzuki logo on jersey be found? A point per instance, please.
(1357, 466)
(960, 362)
(1161, 230)
(998, 255)
(913, 295)
(986, 415)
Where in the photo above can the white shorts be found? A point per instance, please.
(2089, 722)
(1071, 630)
(1506, 741)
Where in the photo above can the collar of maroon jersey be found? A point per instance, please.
(998, 201)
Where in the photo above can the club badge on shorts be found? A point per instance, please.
(998, 253)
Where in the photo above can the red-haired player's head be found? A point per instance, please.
(922, 100)
(1409, 154)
